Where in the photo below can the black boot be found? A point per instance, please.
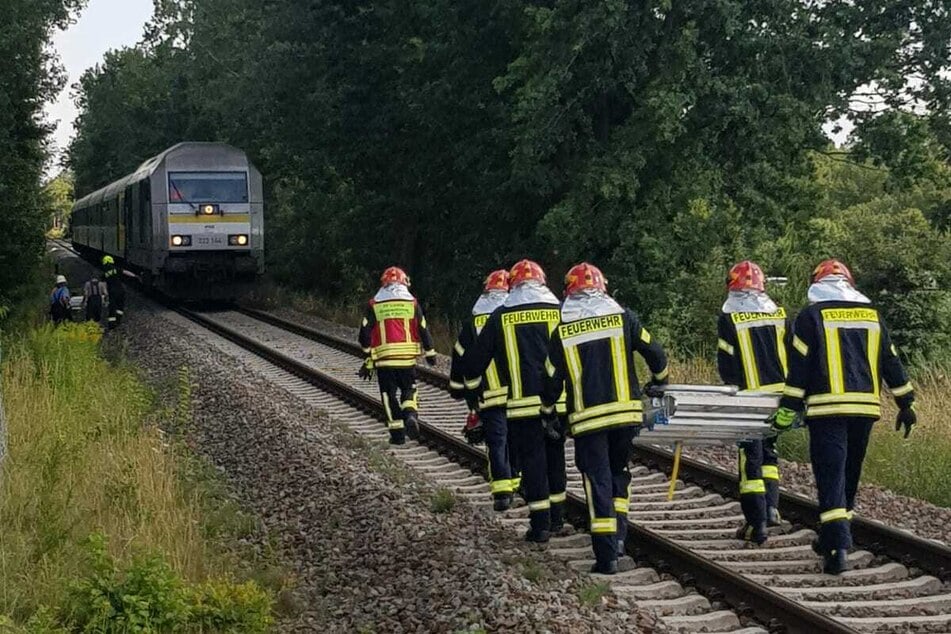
(539, 537)
(397, 438)
(411, 421)
(502, 502)
(836, 562)
(753, 534)
(605, 568)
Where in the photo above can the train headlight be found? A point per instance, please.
(181, 241)
(238, 240)
(209, 210)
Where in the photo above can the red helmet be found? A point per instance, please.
(394, 275)
(497, 281)
(525, 270)
(746, 275)
(583, 276)
(832, 267)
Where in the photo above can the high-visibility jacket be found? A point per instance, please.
(491, 391)
(839, 354)
(515, 338)
(394, 333)
(751, 350)
(594, 356)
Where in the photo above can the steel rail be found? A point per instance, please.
(712, 579)
(906, 548)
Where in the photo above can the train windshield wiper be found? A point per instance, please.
(181, 198)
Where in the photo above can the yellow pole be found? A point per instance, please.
(673, 474)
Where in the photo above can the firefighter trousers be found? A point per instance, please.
(398, 391)
(603, 458)
(497, 445)
(759, 479)
(543, 473)
(837, 449)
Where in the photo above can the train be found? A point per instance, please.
(188, 222)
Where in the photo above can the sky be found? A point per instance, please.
(103, 25)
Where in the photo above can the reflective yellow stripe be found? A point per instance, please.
(769, 387)
(607, 408)
(621, 505)
(726, 347)
(874, 349)
(547, 409)
(795, 392)
(770, 472)
(603, 525)
(800, 345)
(845, 410)
(574, 373)
(492, 377)
(511, 353)
(781, 347)
(558, 498)
(176, 219)
(850, 515)
(833, 515)
(902, 389)
(390, 350)
(474, 383)
(660, 376)
(501, 486)
(834, 361)
(752, 486)
(459, 349)
(844, 397)
(549, 367)
(748, 357)
(395, 424)
(409, 404)
(456, 385)
(633, 418)
(622, 387)
(645, 336)
(541, 505)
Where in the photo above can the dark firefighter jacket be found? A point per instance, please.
(516, 339)
(492, 392)
(595, 357)
(839, 354)
(751, 350)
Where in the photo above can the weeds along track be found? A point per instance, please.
(899, 583)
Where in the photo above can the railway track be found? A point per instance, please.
(897, 585)
(899, 582)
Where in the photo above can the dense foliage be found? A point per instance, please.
(660, 140)
(28, 78)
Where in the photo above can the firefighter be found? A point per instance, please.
(839, 355)
(393, 335)
(592, 352)
(115, 289)
(486, 420)
(751, 354)
(516, 338)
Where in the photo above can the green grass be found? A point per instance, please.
(591, 594)
(532, 571)
(97, 502)
(442, 501)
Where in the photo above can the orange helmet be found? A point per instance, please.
(746, 275)
(525, 270)
(584, 276)
(832, 267)
(394, 275)
(497, 281)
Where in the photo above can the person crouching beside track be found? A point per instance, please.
(486, 397)
(393, 335)
(516, 338)
(592, 351)
(751, 354)
(116, 289)
(840, 353)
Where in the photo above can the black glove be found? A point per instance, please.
(366, 370)
(552, 426)
(906, 418)
(654, 389)
(431, 359)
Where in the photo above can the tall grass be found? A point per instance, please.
(86, 457)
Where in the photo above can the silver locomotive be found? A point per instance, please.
(189, 221)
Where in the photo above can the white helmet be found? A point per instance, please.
(60, 279)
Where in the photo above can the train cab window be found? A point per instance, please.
(208, 187)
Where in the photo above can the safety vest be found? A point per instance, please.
(751, 350)
(838, 356)
(594, 356)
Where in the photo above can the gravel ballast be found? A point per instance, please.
(357, 527)
(873, 502)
